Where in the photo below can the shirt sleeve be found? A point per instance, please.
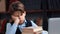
(44, 32)
(33, 24)
(11, 29)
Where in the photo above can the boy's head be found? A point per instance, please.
(17, 9)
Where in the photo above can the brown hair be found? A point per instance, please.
(14, 7)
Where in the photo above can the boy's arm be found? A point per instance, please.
(11, 29)
(33, 24)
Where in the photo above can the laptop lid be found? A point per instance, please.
(54, 26)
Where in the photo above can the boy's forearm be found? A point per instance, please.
(12, 29)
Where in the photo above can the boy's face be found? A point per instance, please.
(20, 15)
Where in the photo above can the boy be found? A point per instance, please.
(18, 20)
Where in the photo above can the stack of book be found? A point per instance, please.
(32, 30)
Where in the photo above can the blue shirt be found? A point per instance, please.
(12, 29)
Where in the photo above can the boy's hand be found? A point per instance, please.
(16, 19)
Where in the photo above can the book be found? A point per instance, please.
(32, 30)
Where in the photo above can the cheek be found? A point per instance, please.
(21, 17)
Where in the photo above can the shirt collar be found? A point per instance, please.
(25, 21)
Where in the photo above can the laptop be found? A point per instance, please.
(54, 26)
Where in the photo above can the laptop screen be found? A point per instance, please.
(54, 26)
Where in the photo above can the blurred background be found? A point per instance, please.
(37, 10)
